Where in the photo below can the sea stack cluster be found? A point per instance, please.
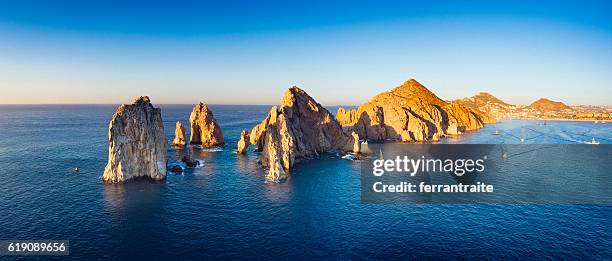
(136, 143)
(299, 128)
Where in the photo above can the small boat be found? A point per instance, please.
(596, 122)
(349, 157)
(496, 132)
(594, 142)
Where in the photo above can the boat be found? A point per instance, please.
(349, 157)
(496, 132)
(594, 142)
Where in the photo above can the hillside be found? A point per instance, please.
(546, 105)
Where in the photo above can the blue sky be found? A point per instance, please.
(249, 52)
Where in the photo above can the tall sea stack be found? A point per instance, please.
(136, 143)
(205, 130)
(179, 135)
(299, 129)
(243, 143)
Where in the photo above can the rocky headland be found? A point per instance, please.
(300, 128)
(136, 143)
(409, 113)
(204, 130)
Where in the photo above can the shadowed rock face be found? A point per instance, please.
(179, 135)
(409, 112)
(137, 145)
(299, 129)
(204, 128)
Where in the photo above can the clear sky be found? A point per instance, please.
(249, 52)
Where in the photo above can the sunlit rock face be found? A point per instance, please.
(136, 143)
(205, 130)
(244, 142)
(409, 112)
(179, 135)
(300, 128)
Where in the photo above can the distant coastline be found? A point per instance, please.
(563, 119)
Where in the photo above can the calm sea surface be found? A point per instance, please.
(225, 209)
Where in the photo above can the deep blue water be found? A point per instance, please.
(226, 210)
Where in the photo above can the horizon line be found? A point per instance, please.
(235, 104)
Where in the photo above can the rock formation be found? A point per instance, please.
(299, 129)
(356, 142)
(204, 128)
(176, 169)
(179, 135)
(137, 145)
(409, 112)
(244, 142)
(190, 161)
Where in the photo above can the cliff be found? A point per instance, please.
(136, 143)
(205, 130)
(299, 129)
(410, 112)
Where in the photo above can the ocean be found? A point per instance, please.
(226, 210)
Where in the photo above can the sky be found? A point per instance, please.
(341, 53)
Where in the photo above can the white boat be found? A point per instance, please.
(496, 132)
(594, 142)
(349, 157)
